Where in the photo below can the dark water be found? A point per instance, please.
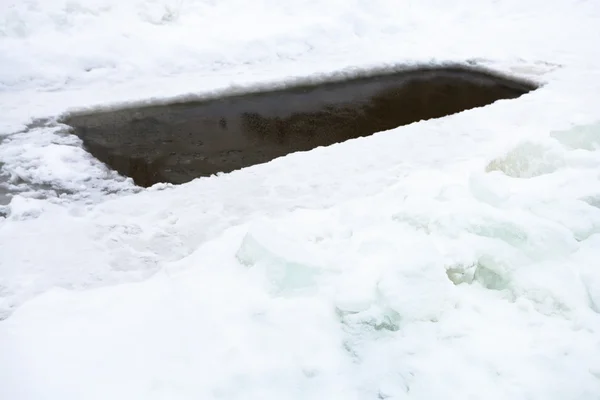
(178, 142)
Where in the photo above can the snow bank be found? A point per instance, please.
(447, 283)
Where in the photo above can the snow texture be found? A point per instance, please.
(454, 258)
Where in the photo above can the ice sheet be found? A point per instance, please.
(451, 258)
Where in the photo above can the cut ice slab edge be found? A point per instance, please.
(236, 85)
(289, 264)
(163, 90)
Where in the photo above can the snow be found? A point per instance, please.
(450, 258)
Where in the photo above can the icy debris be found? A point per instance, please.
(288, 264)
(459, 274)
(379, 317)
(491, 274)
(532, 158)
(359, 301)
(581, 218)
(588, 268)
(356, 290)
(489, 189)
(585, 137)
(488, 271)
(593, 201)
(481, 225)
(416, 291)
(528, 159)
(22, 208)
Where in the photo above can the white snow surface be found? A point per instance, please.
(454, 258)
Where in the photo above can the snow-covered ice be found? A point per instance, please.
(454, 258)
